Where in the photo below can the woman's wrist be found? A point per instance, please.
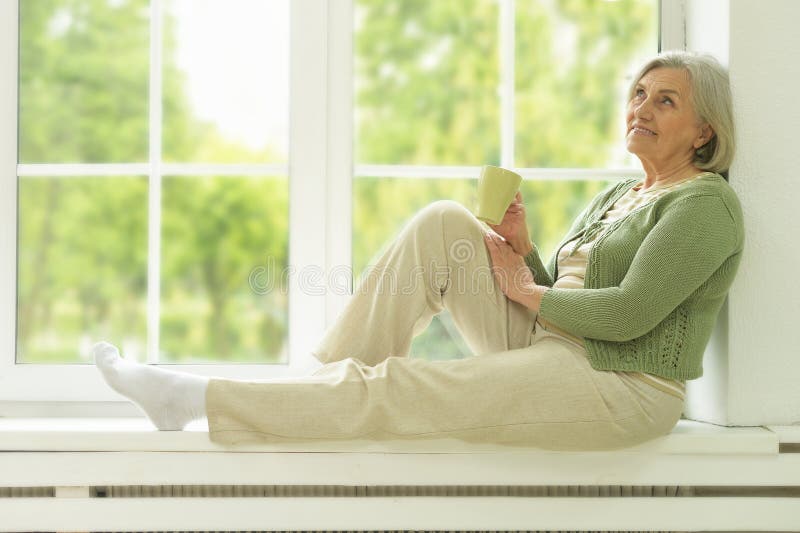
(538, 295)
(522, 246)
(534, 294)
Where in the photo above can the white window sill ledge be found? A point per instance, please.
(75, 455)
(137, 434)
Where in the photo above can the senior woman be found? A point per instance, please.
(590, 352)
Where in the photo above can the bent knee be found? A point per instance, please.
(448, 212)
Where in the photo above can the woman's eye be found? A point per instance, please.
(667, 101)
(639, 92)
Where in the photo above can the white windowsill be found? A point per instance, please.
(82, 453)
(138, 434)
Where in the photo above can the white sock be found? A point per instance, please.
(169, 399)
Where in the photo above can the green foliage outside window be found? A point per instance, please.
(426, 93)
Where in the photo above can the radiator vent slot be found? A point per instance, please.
(363, 491)
(27, 492)
(306, 491)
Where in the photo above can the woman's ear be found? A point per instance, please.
(706, 134)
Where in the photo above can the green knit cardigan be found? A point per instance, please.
(655, 280)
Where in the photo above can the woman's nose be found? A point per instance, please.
(643, 109)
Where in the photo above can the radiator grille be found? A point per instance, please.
(27, 492)
(244, 491)
(305, 491)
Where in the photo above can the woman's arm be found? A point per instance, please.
(531, 293)
(534, 263)
(685, 247)
(534, 299)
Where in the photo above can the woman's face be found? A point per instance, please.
(663, 130)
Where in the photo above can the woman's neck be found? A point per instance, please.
(667, 175)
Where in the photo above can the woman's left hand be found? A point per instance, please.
(509, 269)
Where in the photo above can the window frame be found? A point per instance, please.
(320, 172)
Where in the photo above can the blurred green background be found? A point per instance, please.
(426, 92)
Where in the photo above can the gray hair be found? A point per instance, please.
(711, 100)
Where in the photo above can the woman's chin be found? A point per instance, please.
(640, 154)
(633, 147)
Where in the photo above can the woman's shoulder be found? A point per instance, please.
(710, 184)
(704, 192)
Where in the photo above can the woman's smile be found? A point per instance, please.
(639, 130)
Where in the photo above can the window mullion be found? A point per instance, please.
(190, 170)
(339, 201)
(672, 25)
(308, 176)
(466, 172)
(154, 187)
(8, 185)
(507, 83)
(82, 170)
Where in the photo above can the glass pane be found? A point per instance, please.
(551, 207)
(83, 81)
(574, 61)
(226, 81)
(79, 280)
(426, 79)
(224, 255)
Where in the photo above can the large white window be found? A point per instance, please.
(444, 87)
(200, 182)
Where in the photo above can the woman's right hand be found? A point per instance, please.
(513, 227)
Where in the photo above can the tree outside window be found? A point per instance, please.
(428, 85)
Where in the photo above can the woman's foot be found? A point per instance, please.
(169, 399)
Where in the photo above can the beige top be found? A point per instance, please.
(572, 268)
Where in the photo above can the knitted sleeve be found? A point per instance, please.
(682, 250)
(540, 274)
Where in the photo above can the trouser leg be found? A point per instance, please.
(545, 395)
(438, 261)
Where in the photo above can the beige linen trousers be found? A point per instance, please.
(524, 385)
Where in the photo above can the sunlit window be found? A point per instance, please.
(139, 233)
(154, 153)
(526, 84)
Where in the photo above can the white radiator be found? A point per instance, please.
(398, 491)
(295, 491)
(76, 476)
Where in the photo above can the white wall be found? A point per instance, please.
(752, 365)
